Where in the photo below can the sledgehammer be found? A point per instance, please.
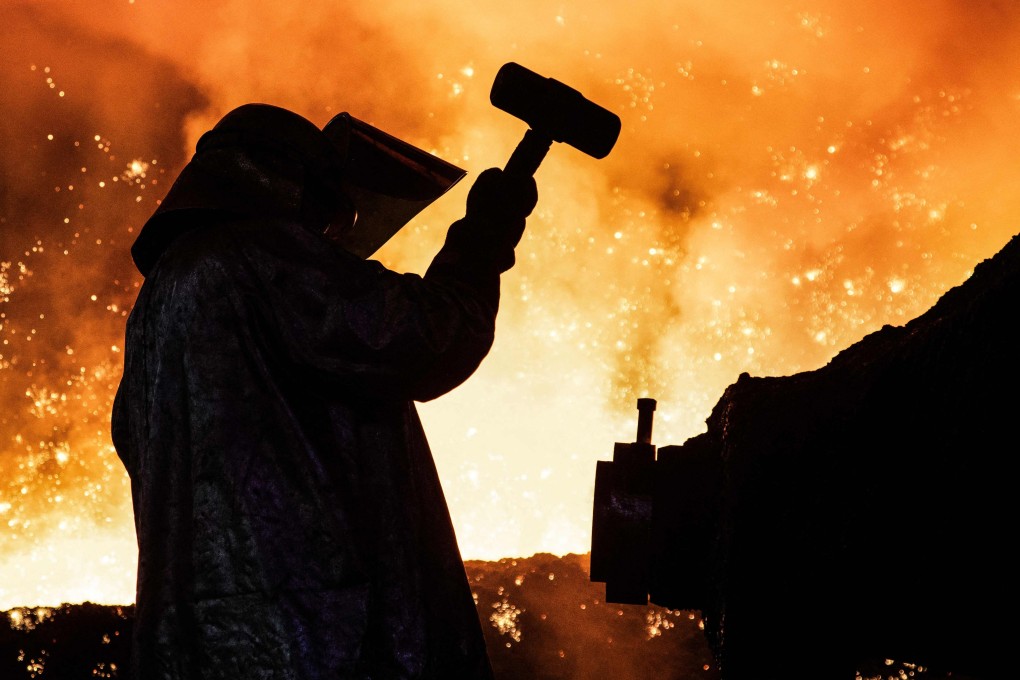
(554, 112)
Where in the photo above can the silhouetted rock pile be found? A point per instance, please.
(543, 620)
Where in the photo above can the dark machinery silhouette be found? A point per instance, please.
(809, 559)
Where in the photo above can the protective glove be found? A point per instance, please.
(497, 206)
(500, 202)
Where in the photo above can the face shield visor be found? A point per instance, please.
(387, 180)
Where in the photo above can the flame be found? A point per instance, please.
(789, 178)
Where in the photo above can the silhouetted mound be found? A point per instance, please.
(71, 642)
(542, 617)
(862, 510)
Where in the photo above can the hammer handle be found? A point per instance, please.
(529, 154)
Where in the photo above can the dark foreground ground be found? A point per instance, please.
(543, 620)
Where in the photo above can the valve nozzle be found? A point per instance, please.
(646, 411)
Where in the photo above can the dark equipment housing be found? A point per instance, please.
(653, 517)
(786, 553)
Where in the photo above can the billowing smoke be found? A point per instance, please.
(88, 121)
(789, 178)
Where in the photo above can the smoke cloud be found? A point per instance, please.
(789, 178)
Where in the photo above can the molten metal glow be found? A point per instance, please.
(789, 178)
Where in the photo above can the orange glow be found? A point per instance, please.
(789, 178)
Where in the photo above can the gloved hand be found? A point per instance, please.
(493, 224)
(499, 203)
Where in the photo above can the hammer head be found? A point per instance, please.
(555, 110)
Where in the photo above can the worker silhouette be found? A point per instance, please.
(289, 517)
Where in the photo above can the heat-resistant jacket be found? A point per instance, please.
(290, 521)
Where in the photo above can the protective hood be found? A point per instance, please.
(264, 161)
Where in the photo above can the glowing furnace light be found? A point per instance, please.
(504, 619)
(657, 622)
(706, 259)
(136, 170)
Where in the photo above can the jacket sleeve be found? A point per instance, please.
(342, 323)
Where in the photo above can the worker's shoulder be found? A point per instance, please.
(213, 242)
(223, 252)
